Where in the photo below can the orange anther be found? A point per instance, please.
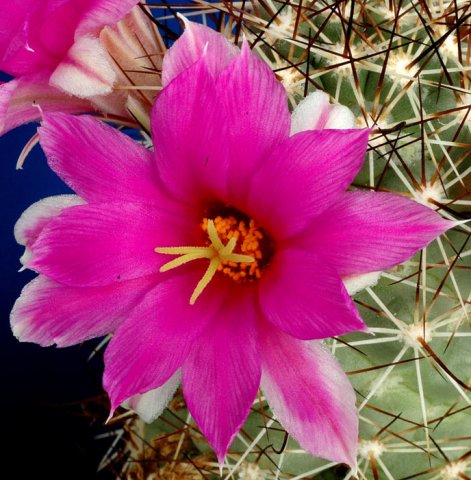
(251, 240)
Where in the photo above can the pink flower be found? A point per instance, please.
(215, 258)
(53, 49)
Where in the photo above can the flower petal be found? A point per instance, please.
(38, 215)
(256, 116)
(157, 337)
(372, 231)
(356, 283)
(35, 36)
(99, 244)
(310, 395)
(315, 112)
(85, 71)
(305, 297)
(222, 374)
(150, 405)
(98, 13)
(307, 173)
(98, 162)
(18, 98)
(128, 45)
(50, 313)
(190, 148)
(189, 48)
(21, 51)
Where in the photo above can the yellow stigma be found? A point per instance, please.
(252, 241)
(217, 253)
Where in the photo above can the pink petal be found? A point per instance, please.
(189, 48)
(85, 71)
(305, 297)
(257, 118)
(98, 13)
(150, 405)
(38, 215)
(14, 13)
(306, 173)
(50, 313)
(21, 50)
(98, 162)
(315, 112)
(372, 231)
(18, 97)
(222, 374)
(190, 147)
(35, 36)
(157, 337)
(99, 244)
(310, 395)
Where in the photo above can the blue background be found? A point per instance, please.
(44, 427)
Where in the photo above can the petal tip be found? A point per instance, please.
(450, 224)
(221, 456)
(17, 327)
(364, 328)
(26, 259)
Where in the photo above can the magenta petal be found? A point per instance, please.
(51, 313)
(190, 148)
(371, 231)
(190, 47)
(98, 162)
(36, 35)
(98, 244)
(256, 116)
(308, 171)
(222, 374)
(37, 216)
(305, 297)
(310, 395)
(18, 97)
(21, 49)
(12, 33)
(157, 337)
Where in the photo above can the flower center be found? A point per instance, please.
(236, 246)
(250, 240)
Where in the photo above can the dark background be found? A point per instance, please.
(49, 408)
(52, 407)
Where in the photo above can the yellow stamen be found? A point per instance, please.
(216, 253)
(204, 282)
(214, 236)
(251, 240)
(185, 258)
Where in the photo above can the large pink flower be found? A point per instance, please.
(216, 257)
(53, 49)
